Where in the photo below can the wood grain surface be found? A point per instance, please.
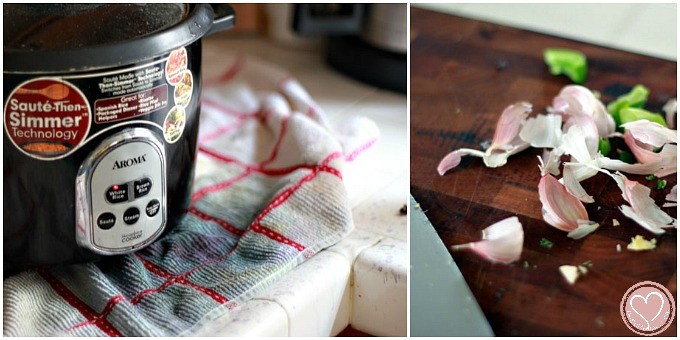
(463, 74)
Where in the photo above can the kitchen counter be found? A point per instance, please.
(361, 281)
(463, 74)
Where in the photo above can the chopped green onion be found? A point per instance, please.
(637, 97)
(571, 63)
(545, 243)
(661, 184)
(526, 264)
(604, 146)
(587, 264)
(650, 177)
(631, 114)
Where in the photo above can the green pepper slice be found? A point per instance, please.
(571, 63)
(631, 114)
(637, 97)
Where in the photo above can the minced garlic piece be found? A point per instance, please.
(615, 222)
(618, 248)
(570, 273)
(638, 243)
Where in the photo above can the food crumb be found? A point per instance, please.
(417, 206)
(500, 293)
(661, 184)
(403, 210)
(583, 270)
(502, 64)
(638, 243)
(570, 273)
(545, 243)
(485, 144)
(615, 222)
(618, 248)
(599, 322)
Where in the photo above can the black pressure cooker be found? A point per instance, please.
(101, 110)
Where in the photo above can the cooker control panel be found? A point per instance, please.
(120, 193)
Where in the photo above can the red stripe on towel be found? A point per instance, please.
(330, 170)
(260, 229)
(222, 130)
(221, 157)
(113, 301)
(224, 224)
(205, 290)
(279, 140)
(219, 186)
(229, 74)
(78, 304)
(258, 169)
(257, 226)
(181, 279)
(286, 194)
(206, 101)
(311, 112)
(354, 154)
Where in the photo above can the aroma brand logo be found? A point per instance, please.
(648, 308)
(124, 163)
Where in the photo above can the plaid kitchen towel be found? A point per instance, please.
(268, 194)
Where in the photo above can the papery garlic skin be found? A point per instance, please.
(672, 198)
(505, 143)
(501, 242)
(452, 159)
(651, 133)
(560, 208)
(576, 100)
(643, 136)
(574, 187)
(670, 109)
(643, 210)
(542, 131)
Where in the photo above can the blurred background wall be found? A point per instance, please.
(649, 29)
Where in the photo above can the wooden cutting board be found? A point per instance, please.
(463, 74)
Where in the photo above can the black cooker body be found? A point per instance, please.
(99, 159)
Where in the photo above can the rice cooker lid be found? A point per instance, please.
(77, 37)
